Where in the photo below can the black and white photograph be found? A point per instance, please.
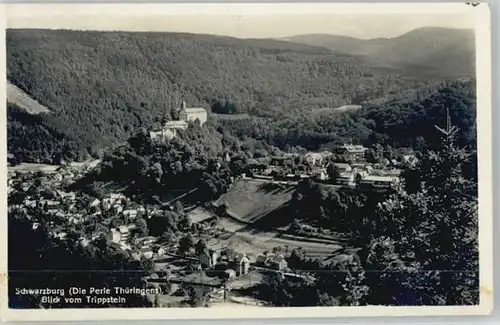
(173, 156)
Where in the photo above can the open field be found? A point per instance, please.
(343, 108)
(32, 167)
(250, 199)
(255, 222)
(243, 237)
(17, 96)
(28, 167)
(200, 214)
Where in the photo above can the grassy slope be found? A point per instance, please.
(23, 100)
(253, 199)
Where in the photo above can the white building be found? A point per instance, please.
(244, 265)
(192, 114)
(168, 131)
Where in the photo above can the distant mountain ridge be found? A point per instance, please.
(451, 51)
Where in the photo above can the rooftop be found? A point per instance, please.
(354, 148)
(176, 125)
(195, 110)
(376, 178)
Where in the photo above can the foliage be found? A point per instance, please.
(33, 138)
(434, 228)
(101, 86)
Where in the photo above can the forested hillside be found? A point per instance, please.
(406, 120)
(101, 86)
(32, 138)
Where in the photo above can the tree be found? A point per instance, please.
(200, 246)
(179, 208)
(357, 179)
(186, 243)
(141, 227)
(437, 227)
(333, 172)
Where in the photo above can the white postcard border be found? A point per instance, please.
(484, 120)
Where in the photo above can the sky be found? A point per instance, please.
(267, 23)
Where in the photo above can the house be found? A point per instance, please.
(394, 172)
(352, 152)
(376, 181)
(343, 167)
(30, 203)
(66, 197)
(321, 175)
(314, 158)
(130, 213)
(57, 177)
(26, 186)
(192, 114)
(124, 233)
(277, 262)
(244, 264)
(230, 273)
(61, 235)
(115, 235)
(120, 248)
(84, 242)
(94, 203)
(147, 252)
(144, 241)
(116, 196)
(107, 204)
(50, 204)
(168, 131)
(317, 158)
(136, 256)
(346, 179)
(161, 251)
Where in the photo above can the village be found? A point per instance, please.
(202, 255)
(205, 262)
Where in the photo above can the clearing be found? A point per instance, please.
(343, 108)
(258, 219)
(250, 199)
(16, 95)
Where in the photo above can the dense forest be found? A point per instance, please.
(102, 86)
(32, 138)
(404, 121)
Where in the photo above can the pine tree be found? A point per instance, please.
(435, 228)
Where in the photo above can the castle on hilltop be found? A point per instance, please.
(192, 114)
(186, 115)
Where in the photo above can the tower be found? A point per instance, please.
(182, 114)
